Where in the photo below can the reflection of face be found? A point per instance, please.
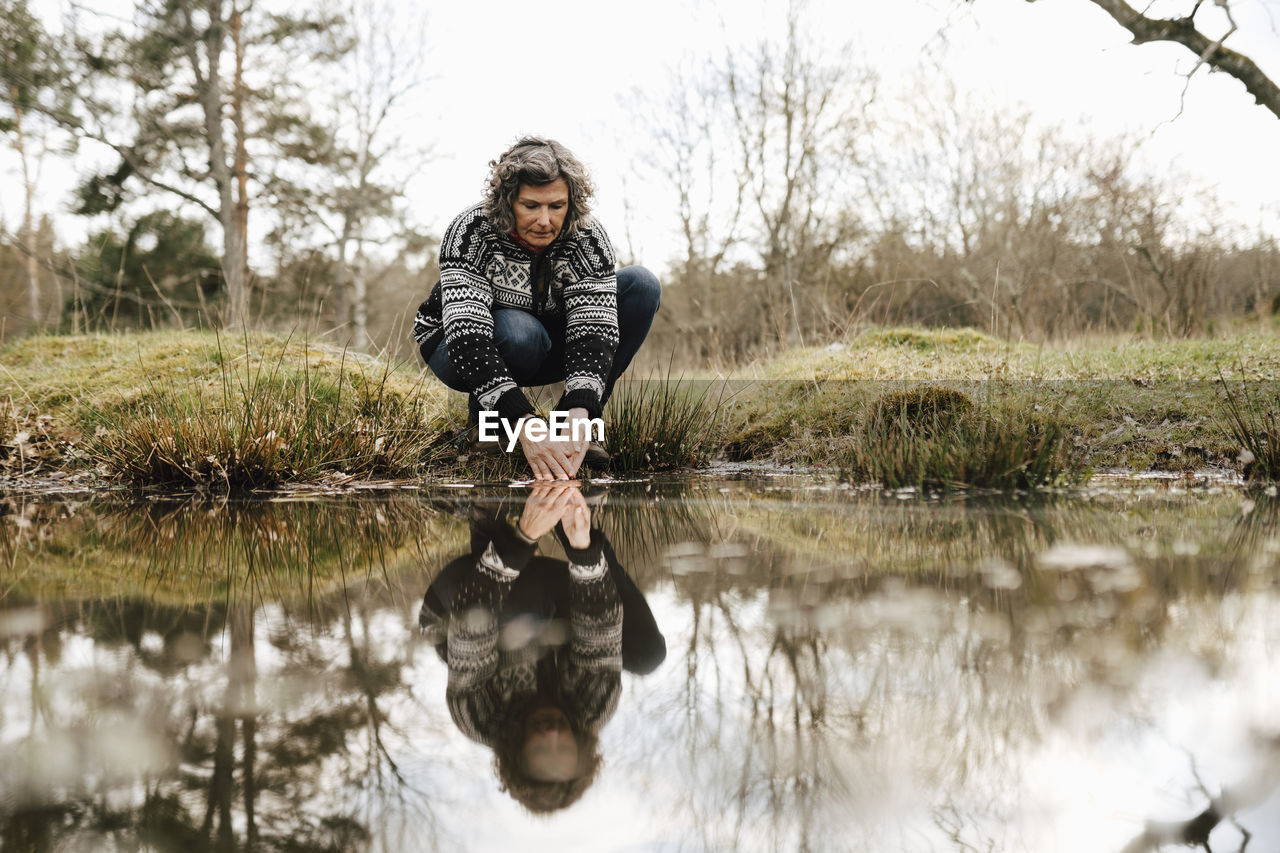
(550, 751)
(540, 212)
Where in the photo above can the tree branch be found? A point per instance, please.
(146, 177)
(1208, 51)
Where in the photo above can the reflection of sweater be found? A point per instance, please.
(490, 683)
(573, 283)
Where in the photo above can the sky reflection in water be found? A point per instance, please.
(842, 671)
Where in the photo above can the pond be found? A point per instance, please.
(725, 663)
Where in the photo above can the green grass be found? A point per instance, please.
(1128, 403)
(964, 354)
(265, 423)
(191, 409)
(188, 409)
(937, 437)
(1252, 419)
(661, 424)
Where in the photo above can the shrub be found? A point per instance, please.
(938, 437)
(657, 424)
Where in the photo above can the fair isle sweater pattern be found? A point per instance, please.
(573, 282)
(488, 679)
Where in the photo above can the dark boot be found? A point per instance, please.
(597, 456)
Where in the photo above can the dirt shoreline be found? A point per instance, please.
(92, 484)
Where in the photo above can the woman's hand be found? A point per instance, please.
(553, 459)
(576, 519)
(580, 417)
(546, 505)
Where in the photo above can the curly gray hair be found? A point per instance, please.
(537, 161)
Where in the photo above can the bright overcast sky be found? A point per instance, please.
(503, 68)
(504, 71)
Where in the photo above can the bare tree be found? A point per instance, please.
(28, 69)
(794, 114)
(345, 205)
(756, 146)
(386, 65)
(1209, 50)
(688, 153)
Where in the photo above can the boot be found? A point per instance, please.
(597, 456)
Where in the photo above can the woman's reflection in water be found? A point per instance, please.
(536, 645)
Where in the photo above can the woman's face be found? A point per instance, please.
(540, 212)
(550, 752)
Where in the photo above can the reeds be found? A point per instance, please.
(262, 422)
(650, 425)
(936, 437)
(1253, 424)
(659, 424)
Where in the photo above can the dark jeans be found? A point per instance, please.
(534, 353)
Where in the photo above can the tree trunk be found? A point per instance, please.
(341, 297)
(241, 167)
(28, 231)
(209, 90)
(242, 691)
(359, 301)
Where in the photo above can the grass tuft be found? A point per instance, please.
(934, 437)
(1253, 423)
(926, 409)
(928, 340)
(659, 424)
(262, 421)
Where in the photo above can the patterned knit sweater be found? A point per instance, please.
(489, 681)
(573, 283)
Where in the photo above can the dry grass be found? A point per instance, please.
(937, 437)
(1127, 402)
(1252, 418)
(188, 408)
(193, 409)
(965, 354)
(660, 424)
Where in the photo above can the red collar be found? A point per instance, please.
(534, 249)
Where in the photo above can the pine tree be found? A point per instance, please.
(212, 97)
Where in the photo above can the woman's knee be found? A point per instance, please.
(442, 366)
(520, 337)
(639, 288)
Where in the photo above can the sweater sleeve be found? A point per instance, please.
(473, 619)
(595, 611)
(591, 321)
(467, 315)
(593, 674)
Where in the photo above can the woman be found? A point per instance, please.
(529, 294)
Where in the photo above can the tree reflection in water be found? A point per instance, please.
(851, 671)
(924, 662)
(233, 700)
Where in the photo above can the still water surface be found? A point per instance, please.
(726, 664)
